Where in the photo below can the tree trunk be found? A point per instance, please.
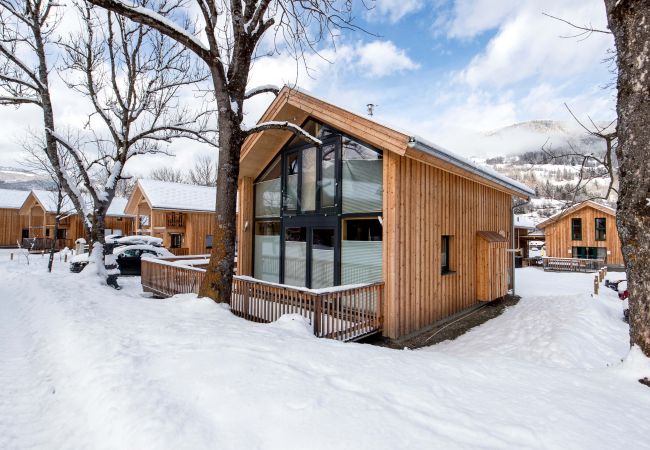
(217, 283)
(57, 220)
(629, 21)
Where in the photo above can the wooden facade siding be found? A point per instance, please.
(558, 234)
(422, 203)
(11, 227)
(245, 227)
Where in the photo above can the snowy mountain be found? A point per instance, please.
(525, 158)
(17, 178)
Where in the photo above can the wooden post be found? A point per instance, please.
(65, 258)
(596, 285)
(11, 256)
(247, 300)
(317, 314)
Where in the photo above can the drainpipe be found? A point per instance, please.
(512, 238)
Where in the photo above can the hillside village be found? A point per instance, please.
(324, 224)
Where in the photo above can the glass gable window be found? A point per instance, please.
(268, 191)
(601, 229)
(362, 174)
(317, 211)
(267, 250)
(576, 229)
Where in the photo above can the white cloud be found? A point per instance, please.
(527, 43)
(381, 58)
(392, 10)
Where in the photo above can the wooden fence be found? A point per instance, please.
(572, 264)
(179, 251)
(39, 244)
(343, 313)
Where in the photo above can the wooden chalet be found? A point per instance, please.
(39, 212)
(584, 231)
(12, 223)
(181, 214)
(430, 231)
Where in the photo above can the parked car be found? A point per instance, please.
(128, 252)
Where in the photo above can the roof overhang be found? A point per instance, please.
(586, 204)
(295, 106)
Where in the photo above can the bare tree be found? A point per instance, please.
(36, 160)
(28, 28)
(131, 76)
(204, 172)
(168, 174)
(629, 22)
(233, 31)
(594, 165)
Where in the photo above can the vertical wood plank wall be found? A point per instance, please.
(421, 204)
(245, 233)
(558, 235)
(197, 228)
(11, 226)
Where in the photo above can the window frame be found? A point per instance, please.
(576, 236)
(445, 244)
(597, 229)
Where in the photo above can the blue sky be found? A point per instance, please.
(447, 70)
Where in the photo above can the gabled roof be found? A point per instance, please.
(12, 199)
(588, 203)
(173, 196)
(47, 200)
(295, 105)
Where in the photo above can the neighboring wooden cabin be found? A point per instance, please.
(181, 214)
(12, 223)
(372, 204)
(39, 213)
(586, 230)
(526, 232)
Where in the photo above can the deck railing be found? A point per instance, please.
(572, 264)
(343, 313)
(39, 244)
(179, 251)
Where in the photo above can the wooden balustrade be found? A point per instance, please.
(40, 244)
(174, 220)
(572, 264)
(179, 251)
(342, 313)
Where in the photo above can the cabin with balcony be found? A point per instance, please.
(585, 231)
(182, 215)
(12, 223)
(371, 205)
(39, 214)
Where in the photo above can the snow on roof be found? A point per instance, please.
(524, 221)
(178, 196)
(118, 205)
(12, 199)
(49, 200)
(576, 207)
(419, 143)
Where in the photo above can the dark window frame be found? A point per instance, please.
(576, 235)
(600, 231)
(445, 249)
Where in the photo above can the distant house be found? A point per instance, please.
(39, 212)
(372, 204)
(12, 223)
(526, 231)
(587, 231)
(181, 214)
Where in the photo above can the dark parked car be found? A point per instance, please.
(128, 258)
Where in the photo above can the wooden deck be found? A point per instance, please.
(572, 264)
(344, 313)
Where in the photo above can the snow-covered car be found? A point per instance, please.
(128, 257)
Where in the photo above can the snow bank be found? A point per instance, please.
(85, 366)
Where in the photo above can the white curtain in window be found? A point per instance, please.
(322, 268)
(362, 185)
(361, 262)
(295, 260)
(267, 258)
(308, 193)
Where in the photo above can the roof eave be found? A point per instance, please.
(425, 147)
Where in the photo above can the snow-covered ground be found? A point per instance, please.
(84, 366)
